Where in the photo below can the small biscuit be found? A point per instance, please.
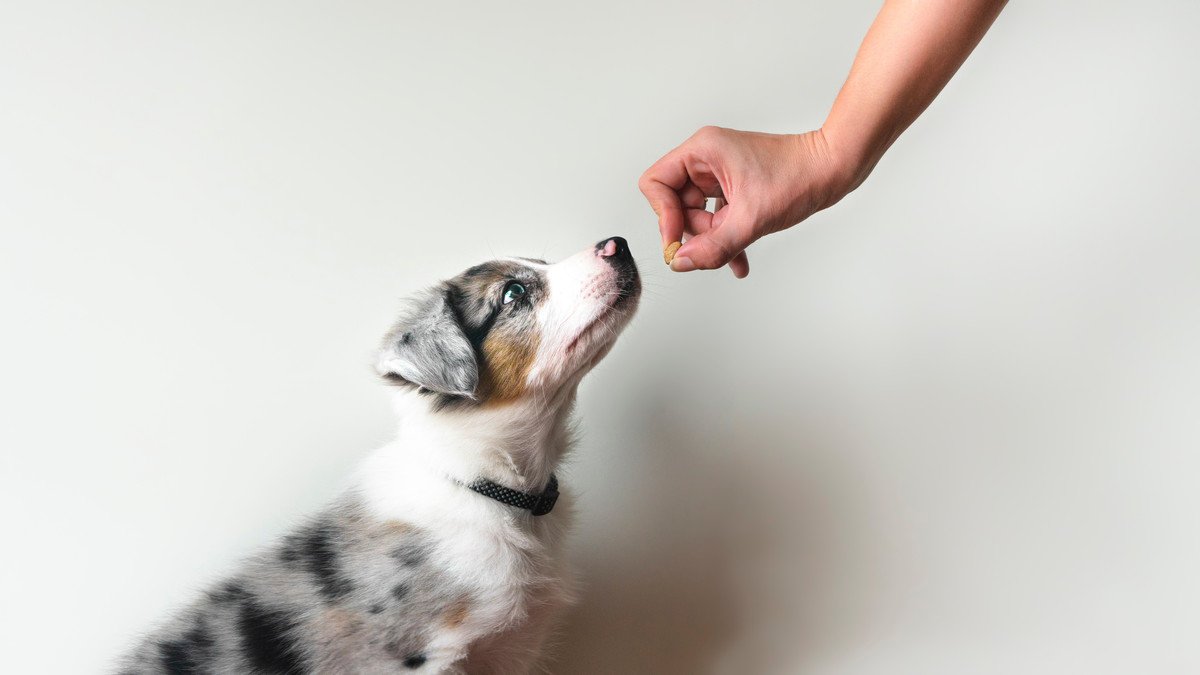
(669, 251)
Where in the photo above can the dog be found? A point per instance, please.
(446, 553)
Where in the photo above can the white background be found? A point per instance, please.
(949, 426)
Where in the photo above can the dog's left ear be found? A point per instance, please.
(429, 349)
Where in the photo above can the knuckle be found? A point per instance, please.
(712, 256)
(724, 255)
(645, 182)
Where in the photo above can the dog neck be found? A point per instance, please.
(517, 444)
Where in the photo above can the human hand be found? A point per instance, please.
(769, 182)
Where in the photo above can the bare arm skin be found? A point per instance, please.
(770, 182)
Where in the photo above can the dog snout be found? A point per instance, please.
(615, 250)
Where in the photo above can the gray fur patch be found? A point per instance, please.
(429, 349)
(345, 593)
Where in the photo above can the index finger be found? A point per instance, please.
(661, 185)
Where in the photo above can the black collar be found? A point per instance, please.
(537, 504)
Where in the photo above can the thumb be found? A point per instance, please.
(729, 235)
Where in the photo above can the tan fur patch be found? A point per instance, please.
(457, 614)
(338, 624)
(340, 639)
(508, 361)
(392, 528)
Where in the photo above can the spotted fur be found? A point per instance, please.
(408, 570)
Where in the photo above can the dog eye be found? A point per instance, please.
(513, 291)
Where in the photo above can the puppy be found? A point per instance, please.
(445, 555)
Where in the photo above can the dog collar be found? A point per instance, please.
(537, 504)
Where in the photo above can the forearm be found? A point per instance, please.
(911, 51)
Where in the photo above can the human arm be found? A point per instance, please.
(770, 182)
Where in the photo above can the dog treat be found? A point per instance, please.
(669, 251)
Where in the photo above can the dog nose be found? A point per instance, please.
(613, 246)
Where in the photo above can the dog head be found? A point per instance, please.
(514, 328)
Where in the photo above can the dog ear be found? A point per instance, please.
(428, 348)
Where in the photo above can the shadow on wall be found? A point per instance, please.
(730, 552)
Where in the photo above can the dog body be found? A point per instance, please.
(415, 568)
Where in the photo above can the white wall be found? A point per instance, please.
(949, 426)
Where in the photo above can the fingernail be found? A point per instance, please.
(680, 264)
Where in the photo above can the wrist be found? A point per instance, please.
(828, 172)
(852, 156)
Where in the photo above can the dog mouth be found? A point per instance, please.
(599, 323)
